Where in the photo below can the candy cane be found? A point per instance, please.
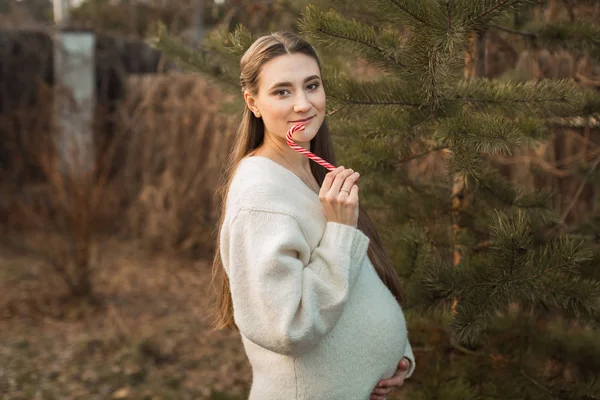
(302, 150)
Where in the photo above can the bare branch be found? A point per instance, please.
(565, 214)
(404, 160)
(473, 100)
(536, 383)
(545, 165)
(507, 30)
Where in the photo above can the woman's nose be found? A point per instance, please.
(302, 104)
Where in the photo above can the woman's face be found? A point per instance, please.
(290, 91)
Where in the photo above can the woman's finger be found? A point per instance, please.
(395, 381)
(381, 391)
(330, 177)
(354, 193)
(404, 364)
(350, 181)
(339, 180)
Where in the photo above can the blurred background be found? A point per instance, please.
(106, 245)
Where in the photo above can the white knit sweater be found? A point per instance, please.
(315, 319)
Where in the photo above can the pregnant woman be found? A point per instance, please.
(299, 268)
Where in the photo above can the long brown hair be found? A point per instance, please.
(250, 136)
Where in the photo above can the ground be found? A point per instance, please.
(149, 338)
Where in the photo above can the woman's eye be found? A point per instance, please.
(284, 92)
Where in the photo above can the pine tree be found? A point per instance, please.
(504, 289)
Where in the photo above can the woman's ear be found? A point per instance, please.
(251, 103)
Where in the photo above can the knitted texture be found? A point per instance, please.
(315, 319)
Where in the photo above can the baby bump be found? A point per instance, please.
(378, 323)
(369, 339)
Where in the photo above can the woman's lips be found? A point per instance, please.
(302, 121)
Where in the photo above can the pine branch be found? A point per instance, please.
(239, 41)
(485, 133)
(578, 36)
(449, 14)
(547, 98)
(415, 10)
(512, 238)
(415, 247)
(478, 14)
(515, 272)
(536, 200)
(495, 187)
(380, 124)
(331, 30)
(344, 93)
(380, 103)
(464, 161)
(502, 4)
(573, 296)
(191, 59)
(558, 256)
(471, 135)
(490, 101)
(437, 71)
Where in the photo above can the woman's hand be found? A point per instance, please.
(385, 386)
(339, 196)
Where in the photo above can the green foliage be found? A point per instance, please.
(514, 271)
(332, 30)
(520, 99)
(591, 103)
(478, 15)
(579, 37)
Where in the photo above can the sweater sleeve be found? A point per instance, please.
(408, 353)
(279, 302)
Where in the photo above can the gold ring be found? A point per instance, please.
(345, 191)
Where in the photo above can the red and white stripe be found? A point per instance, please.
(302, 150)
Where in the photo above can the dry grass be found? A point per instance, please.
(140, 330)
(149, 339)
(154, 178)
(175, 144)
(64, 198)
